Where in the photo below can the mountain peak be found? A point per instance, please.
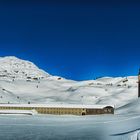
(9, 57)
(13, 67)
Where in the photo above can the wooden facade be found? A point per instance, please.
(61, 110)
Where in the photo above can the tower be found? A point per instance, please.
(139, 83)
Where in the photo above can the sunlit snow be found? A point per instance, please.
(23, 82)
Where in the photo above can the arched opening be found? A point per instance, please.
(109, 110)
(83, 113)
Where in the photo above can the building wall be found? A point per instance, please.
(94, 111)
(60, 111)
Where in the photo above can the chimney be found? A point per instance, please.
(139, 84)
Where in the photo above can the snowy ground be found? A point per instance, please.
(22, 82)
(49, 127)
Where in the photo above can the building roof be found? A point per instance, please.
(56, 105)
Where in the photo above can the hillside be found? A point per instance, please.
(14, 68)
(22, 82)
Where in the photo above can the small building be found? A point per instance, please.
(60, 109)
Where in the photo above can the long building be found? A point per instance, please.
(59, 109)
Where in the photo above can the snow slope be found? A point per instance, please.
(131, 108)
(22, 82)
(14, 68)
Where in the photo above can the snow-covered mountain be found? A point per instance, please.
(22, 82)
(12, 67)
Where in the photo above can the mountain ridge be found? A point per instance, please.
(15, 68)
(40, 87)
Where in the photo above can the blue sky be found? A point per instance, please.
(75, 39)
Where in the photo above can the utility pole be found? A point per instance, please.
(139, 84)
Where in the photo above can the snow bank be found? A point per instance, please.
(27, 112)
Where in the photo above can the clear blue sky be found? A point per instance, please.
(74, 39)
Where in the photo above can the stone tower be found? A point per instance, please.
(139, 84)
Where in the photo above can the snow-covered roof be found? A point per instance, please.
(55, 105)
